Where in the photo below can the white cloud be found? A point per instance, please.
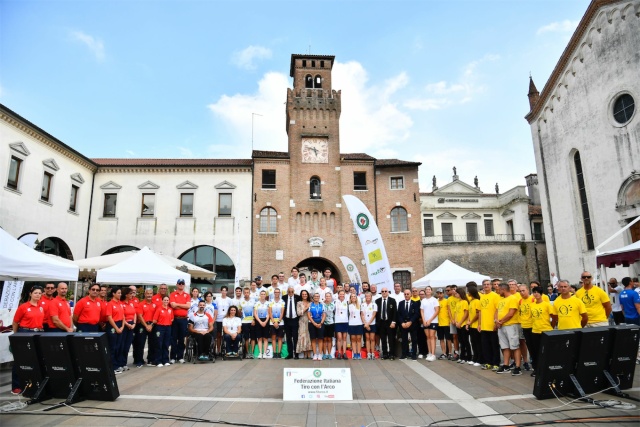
(95, 45)
(370, 122)
(565, 26)
(443, 94)
(130, 153)
(246, 58)
(185, 152)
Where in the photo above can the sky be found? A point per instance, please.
(440, 82)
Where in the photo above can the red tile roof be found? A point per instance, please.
(356, 156)
(172, 162)
(388, 163)
(535, 210)
(270, 154)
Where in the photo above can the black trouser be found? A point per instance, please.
(465, 345)
(291, 326)
(411, 330)
(476, 345)
(422, 341)
(387, 337)
(490, 347)
(139, 340)
(618, 317)
(527, 339)
(203, 342)
(534, 348)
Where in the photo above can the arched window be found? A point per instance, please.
(308, 81)
(122, 248)
(317, 82)
(268, 222)
(212, 259)
(314, 188)
(584, 203)
(55, 246)
(399, 219)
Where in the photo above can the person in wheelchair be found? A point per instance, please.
(232, 328)
(200, 328)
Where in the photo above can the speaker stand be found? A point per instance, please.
(616, 390)
(579, 389)
(73, 394)
(39, 395)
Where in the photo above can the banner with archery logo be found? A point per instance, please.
(373, 250)
(352, 270)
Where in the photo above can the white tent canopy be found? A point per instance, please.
(89, 266)
(449, 273)
(144, 268)
(20, 262)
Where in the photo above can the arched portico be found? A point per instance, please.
(306, 265)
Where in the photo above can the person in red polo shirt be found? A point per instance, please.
(144, 329)
(129, 307)
(180, 302)
(45, 301)
(86, 314)
(163, 319)
(115, 319)
(162, 291)
(60, 311)
(29, 317)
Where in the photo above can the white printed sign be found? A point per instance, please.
(325, 384)
(11, 295)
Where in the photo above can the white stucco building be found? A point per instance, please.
(498, 234)
(585, 130)
(198, 210)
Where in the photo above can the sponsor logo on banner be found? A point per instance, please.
(350, 267)
(378, 271)
(363, 221)
(375, 256)
(371, 242)
(317, 373)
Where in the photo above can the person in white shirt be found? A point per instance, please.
(331, 283)
(313, 281)
(223, 307)
(261, 317)
(194, 299)
(294, 280)
(303, 285)
(355, 326)
(368, 310)
(200, 325)
(397, 293)
(279, 284)
(429, 309)
(339, 287)
(323, 289)
(254, 291)
(374, 292)
(232, 326)
(615, 289)
(237, 298)
(247, 305)
(341, 325)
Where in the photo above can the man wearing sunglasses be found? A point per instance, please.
(45, 303)
(595, 300)
(86, 314)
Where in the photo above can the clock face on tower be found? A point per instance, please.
(315, 150)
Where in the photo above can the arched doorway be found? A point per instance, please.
(121, 248)
(55, 246)
(305, 266)
(212, 259)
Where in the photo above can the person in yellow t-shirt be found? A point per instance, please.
(453, 300)
(541, 322)
(462, 315)
(473, 322)
(508, 330)
(488, 327)
(444, 332)
(595, 300)
(534, 284)
(568, 311)
(526, 322)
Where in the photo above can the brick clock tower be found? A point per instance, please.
(299, 217)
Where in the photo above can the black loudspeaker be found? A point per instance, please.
(593, 358)
(93, 364)
(624, 351)
(555, 364)
(58, 363)
(27, 358)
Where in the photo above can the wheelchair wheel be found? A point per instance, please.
(190, 350)
(212, 351)
(241, 354)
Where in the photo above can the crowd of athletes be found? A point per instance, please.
(494, 326)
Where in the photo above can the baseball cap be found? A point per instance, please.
(180, 282)
(258, 278)
(439, 291)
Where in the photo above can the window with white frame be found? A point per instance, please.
(399, 220)
(397, 182)
(268, 223)
(224, 204)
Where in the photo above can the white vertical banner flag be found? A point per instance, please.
(236, 281)
(352, 270)
(11, 293)
(375, 255)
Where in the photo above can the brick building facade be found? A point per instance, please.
(300, 219)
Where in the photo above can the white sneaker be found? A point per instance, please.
(470, 362)
(160, 365)
(118, 371)
(172, 361)
(259, 355)
(125, 368)
(181, 360)
(420, 356)
(167, 364)
(477, 364)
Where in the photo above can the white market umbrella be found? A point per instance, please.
(145, 268)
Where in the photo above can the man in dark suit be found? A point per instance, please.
(407, 321)
(291, 321)
(386, 324)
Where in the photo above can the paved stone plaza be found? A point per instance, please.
(385, 392)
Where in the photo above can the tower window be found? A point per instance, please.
(308, 82)
(314, 188)
(399, 219)
(268, 179)
(313, 64)
(304, 62)
(321, 64)
(318, 82)
(359, 180)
